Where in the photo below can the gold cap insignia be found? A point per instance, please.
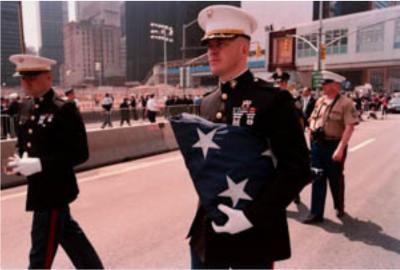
(210, 13)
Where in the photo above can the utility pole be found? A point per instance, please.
(320, 35)
(320, 46)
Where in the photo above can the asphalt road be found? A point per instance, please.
(137, 213)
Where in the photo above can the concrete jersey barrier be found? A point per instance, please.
(109, 146)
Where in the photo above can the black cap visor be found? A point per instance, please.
(326, 81)
(205, 39)
(27, 74)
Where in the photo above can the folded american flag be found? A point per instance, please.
(227, 164)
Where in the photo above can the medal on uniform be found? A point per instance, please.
(41, 119)
(50, 118)
(246, 105)
(237, 115)
(250, 116)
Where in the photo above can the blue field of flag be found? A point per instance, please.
(227, 164)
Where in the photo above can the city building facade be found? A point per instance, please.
(99, 12)
(339, 8)
(92, 54)
(10, 40)
(368, 52)
(53, 17)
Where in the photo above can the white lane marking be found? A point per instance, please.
(108, 174)
(131, 168)
(16, 195)
(361, 145)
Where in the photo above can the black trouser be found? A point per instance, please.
(56, 226)
(135, 114)
(236, 263)
(321, 158)
(152, 116)
(107, 119)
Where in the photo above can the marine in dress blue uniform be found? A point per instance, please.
(258, 235)
(51, 141)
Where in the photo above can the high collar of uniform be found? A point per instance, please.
(47, 96)
(245, 77)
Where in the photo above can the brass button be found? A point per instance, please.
(233, 83)
(219, 115)
(41, 99)
(224, 96)
(33, 118)
(20, 122)
(30, 131)
(28, 144)
(36, 106)
(256, 79)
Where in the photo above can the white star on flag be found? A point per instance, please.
(205, 142)
(235, 191)
(268, 153)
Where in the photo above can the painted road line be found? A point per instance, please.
(108, 174)
(361, 145)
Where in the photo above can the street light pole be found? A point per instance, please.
(165, 63)
(21, 28)
(184, 27)
(320, 36)
(164, 33)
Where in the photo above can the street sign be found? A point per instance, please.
(316, 80)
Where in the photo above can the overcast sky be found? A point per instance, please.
(279, 13)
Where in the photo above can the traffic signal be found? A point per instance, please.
(322, 51)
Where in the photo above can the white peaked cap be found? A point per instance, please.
(224, 21)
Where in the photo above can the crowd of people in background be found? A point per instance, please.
(374, 105)
(371, 105)
(145, 107)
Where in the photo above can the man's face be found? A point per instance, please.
(331, 88)
(223, 55)
(35, 86)
(306, 92)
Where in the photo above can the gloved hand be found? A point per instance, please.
(237, 221)
(25, 165)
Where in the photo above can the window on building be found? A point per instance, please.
(340, 46)
(376, 79)
(370, 39)
(304, 49)
(397, 34)
(394, 79)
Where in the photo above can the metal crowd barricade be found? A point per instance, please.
(8, 123)
(8, 126)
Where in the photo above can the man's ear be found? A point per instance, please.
(245, 46)
(50, 76)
